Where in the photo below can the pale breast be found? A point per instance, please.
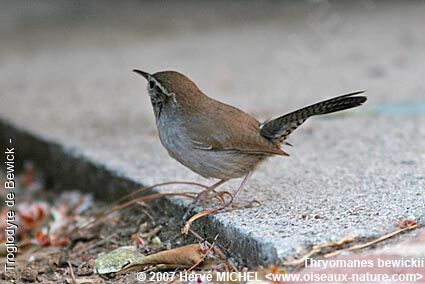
(209, 163)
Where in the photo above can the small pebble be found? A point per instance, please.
(85, 269)
(29, 274)
(156, 241)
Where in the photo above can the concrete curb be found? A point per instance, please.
(66, 168)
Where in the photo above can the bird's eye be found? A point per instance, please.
(151, 84)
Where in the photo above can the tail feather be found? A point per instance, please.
(280, 128)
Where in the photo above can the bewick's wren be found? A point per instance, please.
(217, 140)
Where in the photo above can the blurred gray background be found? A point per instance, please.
(246, 53)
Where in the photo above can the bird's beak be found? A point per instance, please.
(144, 74)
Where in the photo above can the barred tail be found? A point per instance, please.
(280, 128)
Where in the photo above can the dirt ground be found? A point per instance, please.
(60, 234)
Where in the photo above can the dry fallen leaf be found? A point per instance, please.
(46, 240)
(125, 259)
(185, 256)
(140, 242)
(33, 215)
(115, 260)
(406, 223)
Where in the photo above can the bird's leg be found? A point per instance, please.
(225, 208)
(201, 195)
(235, 196)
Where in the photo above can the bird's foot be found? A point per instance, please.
(228, 207)
(205, 197)
(207, 194)
(219, 195)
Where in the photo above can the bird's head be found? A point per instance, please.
(169, 89)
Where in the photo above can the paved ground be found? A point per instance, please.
(401, 263)
(65, 76)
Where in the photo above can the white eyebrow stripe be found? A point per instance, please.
(163, 90)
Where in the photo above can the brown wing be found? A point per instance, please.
(219, 126)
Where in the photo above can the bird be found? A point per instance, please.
(217, 140)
